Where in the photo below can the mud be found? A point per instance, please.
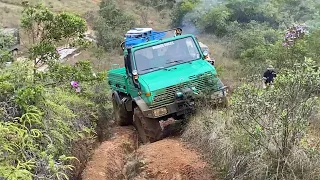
(109, 158)
(162, 160)
(171, 159)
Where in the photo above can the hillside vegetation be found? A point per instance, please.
(48, 128)
(263, 134)
(10, 10)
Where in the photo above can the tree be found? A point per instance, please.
(41, 121)
(112, 24)
(47, 29)
(181, 9)
(6, 42)
(216, 20)
(276, 121)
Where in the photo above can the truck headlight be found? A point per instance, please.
(160, 111)
(179, 94)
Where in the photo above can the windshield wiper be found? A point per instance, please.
(153, 68)
(175, 61)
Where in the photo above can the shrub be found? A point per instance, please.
(40, 124)
(112, 24)
(263, 135)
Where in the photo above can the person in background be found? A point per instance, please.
(268, 76)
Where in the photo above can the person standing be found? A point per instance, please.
(268, 76)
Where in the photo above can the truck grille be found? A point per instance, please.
(168, 96)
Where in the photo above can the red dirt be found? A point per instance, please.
(163, 160)
(170, 159)
(108, 160)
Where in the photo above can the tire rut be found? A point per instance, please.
(108, 159)
(162, 160)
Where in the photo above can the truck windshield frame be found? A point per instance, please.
(166, 54)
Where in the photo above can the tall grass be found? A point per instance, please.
(229, 150)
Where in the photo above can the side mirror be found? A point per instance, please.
(135, 74)
(122, 45)
(205, 53)
(135, 79)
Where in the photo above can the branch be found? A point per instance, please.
(250, 134)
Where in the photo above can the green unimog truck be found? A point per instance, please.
(162, 79)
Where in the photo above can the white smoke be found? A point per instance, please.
(189, 21)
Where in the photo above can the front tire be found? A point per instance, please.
(149, 130)
(122, 117)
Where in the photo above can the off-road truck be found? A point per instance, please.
(162, 79)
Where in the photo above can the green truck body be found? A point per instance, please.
(164, 87)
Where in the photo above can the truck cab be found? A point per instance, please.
(162, 79)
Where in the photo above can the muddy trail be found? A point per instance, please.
(122, 158)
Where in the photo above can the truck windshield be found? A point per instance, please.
(165, 55)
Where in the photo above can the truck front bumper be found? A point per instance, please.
(180, 107)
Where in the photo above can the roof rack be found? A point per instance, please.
(142, 35)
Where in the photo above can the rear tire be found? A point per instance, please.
(149, 130)
(122, 117)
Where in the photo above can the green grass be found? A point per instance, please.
(227, 68)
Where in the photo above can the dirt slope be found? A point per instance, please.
(168, 159)
(108, 160)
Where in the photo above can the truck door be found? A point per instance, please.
(131, 89)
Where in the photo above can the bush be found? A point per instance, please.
(263, 135)
(245, 24)
(6, 42)
(181, 9)
(112, 24)
(216, 21)
(40, 124)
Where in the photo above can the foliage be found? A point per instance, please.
(257, 57)
(112, 24)
(46, 29)
(39, 124)
(60, 74)
(41, 121)
(181, 9)
(263, 134)
(159, 5)
(6, 41)
(216, 20)
(313, 45)
(246, 23)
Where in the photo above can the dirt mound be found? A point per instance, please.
(109, 159)
(170, 159)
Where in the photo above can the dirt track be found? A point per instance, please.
(168, 159)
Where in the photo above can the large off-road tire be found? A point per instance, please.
(122, 117)
(149, 130)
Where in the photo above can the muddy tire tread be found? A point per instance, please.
(125, 118)
(150, 130)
